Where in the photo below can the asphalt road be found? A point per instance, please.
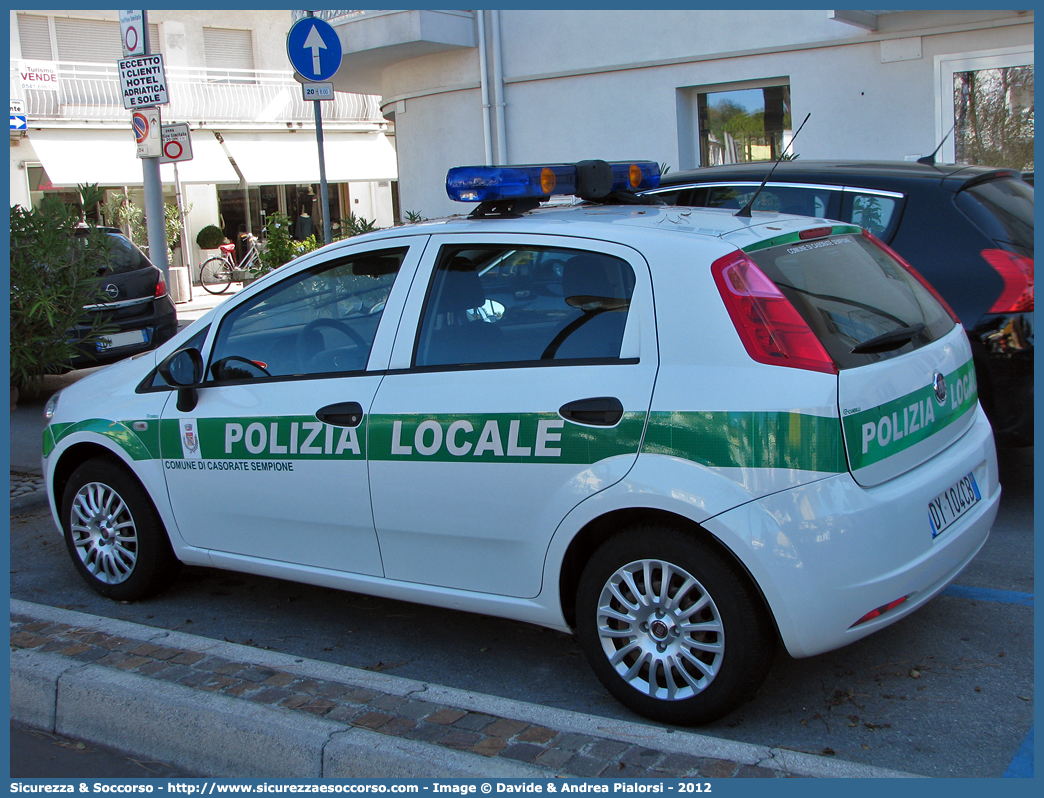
(38, 754)
(947, 692)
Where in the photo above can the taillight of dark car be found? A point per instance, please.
(771, 329)
(1017, 273)
(161, 288)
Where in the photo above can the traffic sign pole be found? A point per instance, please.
(155, 217)
(324, 197)
(315, 52)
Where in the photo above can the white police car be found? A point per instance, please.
(681, 433)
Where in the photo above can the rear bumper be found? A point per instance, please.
(158, 322)
(827, 553)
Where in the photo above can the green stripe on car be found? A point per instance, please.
(721, 439)
(139, 444)
(880, 432)
(795, 238)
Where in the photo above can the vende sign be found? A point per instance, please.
(38, 75)
(143, 82)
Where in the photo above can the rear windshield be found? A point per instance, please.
(855, 297)
(1003, 209)
(124, 256)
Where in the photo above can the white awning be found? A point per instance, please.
(73, 156)
(293, 158)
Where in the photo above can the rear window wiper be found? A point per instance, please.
(888, 341)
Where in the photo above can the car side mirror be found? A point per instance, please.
(183, 370)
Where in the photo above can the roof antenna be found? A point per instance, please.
(929, 160)
(745, 210)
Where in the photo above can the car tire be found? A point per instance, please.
(640, 638)
(114, 535)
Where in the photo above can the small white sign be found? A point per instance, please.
(177, 144)
(143, 82)
(147, 126)
(132, 29)
(317, 91)
(38, 75)
(17, 106)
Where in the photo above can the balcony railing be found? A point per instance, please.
(325, 16)
(92, 92)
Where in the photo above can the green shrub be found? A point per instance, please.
(280, 246)
(210, 237)
(54, 273)
(355, 226)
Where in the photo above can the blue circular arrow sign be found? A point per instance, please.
(314, 49)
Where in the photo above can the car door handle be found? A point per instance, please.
(342, 414)
(603, 411)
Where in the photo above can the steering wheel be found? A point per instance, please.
(311, 343)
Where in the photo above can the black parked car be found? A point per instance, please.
(139, 312)
(967, 229)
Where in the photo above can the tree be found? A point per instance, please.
(993, 111)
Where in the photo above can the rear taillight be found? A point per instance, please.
(877, 613)
(1017, 272)
(771, 329)
(877, 242)
(161, 288)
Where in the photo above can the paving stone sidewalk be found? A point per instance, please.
(23, 484)
(562, 753)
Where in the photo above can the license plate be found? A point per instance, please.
(952, 503)
(122, 339)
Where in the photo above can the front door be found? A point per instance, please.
(271, 462)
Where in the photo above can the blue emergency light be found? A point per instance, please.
(589, 180)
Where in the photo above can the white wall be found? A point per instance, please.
(614, 85)
(204, 202)
(371, 201)
(21, 151)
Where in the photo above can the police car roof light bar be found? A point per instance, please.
(515, 189)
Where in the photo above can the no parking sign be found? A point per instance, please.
(146, 124)
(177, 144)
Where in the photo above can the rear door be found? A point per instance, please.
(906, 384)
(523, 389)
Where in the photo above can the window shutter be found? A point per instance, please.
(34, 37)
(94, 40)
(228, 49)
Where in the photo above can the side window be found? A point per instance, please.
(718, 197)
(774, 199)
(319, 321)
(872, 211)
(679, 197)
(500, 304)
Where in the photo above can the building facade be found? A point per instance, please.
(683, 88)
(253, 136)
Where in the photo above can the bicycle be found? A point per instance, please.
(217, 273)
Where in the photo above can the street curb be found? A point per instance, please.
(174, 723)
(216, 735)
(29, 501)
